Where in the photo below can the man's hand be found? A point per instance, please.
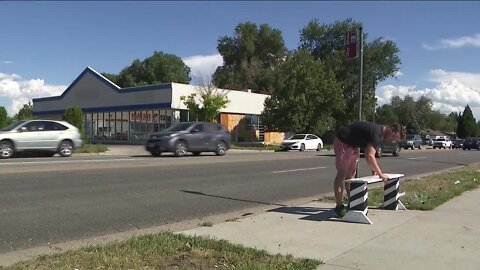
(384, 177)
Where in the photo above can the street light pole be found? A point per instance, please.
(360, 82)
(360, 96)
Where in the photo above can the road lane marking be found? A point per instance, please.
(296, 170)
(416, 157)
(67, 161)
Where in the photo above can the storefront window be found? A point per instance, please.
(123, 134)
(88, 126)
(184, 116)
(168, 118)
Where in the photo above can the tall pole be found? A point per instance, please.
(360, 38)
(360, 82)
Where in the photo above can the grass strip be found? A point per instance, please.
(167, 250)
(427, 193)
(91, 148)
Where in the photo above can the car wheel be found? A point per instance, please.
(196, 153)
(66, 148)
(396, 152)
(156, 154)
(434, 147)
(319, 147)
(6, 149)
(302, 147)
(221, 148)
(180, 149)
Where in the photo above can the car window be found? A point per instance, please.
(219, 127)
(35, 126)
(311, 137)
(198, 128)
(179, 127)
(55, 126)
(210, 128)
(297, 137)
(14, 126)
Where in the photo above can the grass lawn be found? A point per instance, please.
(91, 148)
(431, 191)
(167, 251)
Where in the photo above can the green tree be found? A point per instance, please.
(25, 113)
(423, 106)
(3, 117)
(112, 77)
(206, 103)
(74, 116)
(467, 125)
(250, 58)
(327, 43)
(413, 127)
(404, 108)
(156, 69)
(306, 93)
(435, 120)
(385, 115)
(451, 122)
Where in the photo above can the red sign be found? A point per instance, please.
(351, 44)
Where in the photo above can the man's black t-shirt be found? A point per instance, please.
(360, 134)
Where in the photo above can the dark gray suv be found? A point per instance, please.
(195, 137)
(413, 141)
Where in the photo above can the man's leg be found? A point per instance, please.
(341, 162)
(339, 186)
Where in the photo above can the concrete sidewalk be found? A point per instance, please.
(445, 238)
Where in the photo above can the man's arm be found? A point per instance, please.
(372, 161)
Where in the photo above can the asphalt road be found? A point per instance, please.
(52, 200)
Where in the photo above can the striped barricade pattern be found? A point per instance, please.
(358, 202)
(391, 197)
(358, 197)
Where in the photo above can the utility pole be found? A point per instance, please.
(360, 81)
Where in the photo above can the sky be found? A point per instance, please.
(45, 45)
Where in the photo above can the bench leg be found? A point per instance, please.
(358, 207)
(391, 196)
(357, 217)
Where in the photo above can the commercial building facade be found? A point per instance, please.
(129, 115)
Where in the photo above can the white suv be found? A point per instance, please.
(442, 143)
(47, 136)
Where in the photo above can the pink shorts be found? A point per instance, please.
(346, 157)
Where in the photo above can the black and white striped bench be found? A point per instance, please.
(358, 198)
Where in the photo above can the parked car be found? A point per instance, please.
(429, 142)
(387, 148)
(302, 142)
(46, 136)
(195, 137)
(458, 143)
(471, 143)
(443, 142)
(412, 141)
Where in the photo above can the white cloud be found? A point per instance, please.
(454, 90)
(398, 73)
(472, 41)
(18, 91)
(7, 62)
(203, 65)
